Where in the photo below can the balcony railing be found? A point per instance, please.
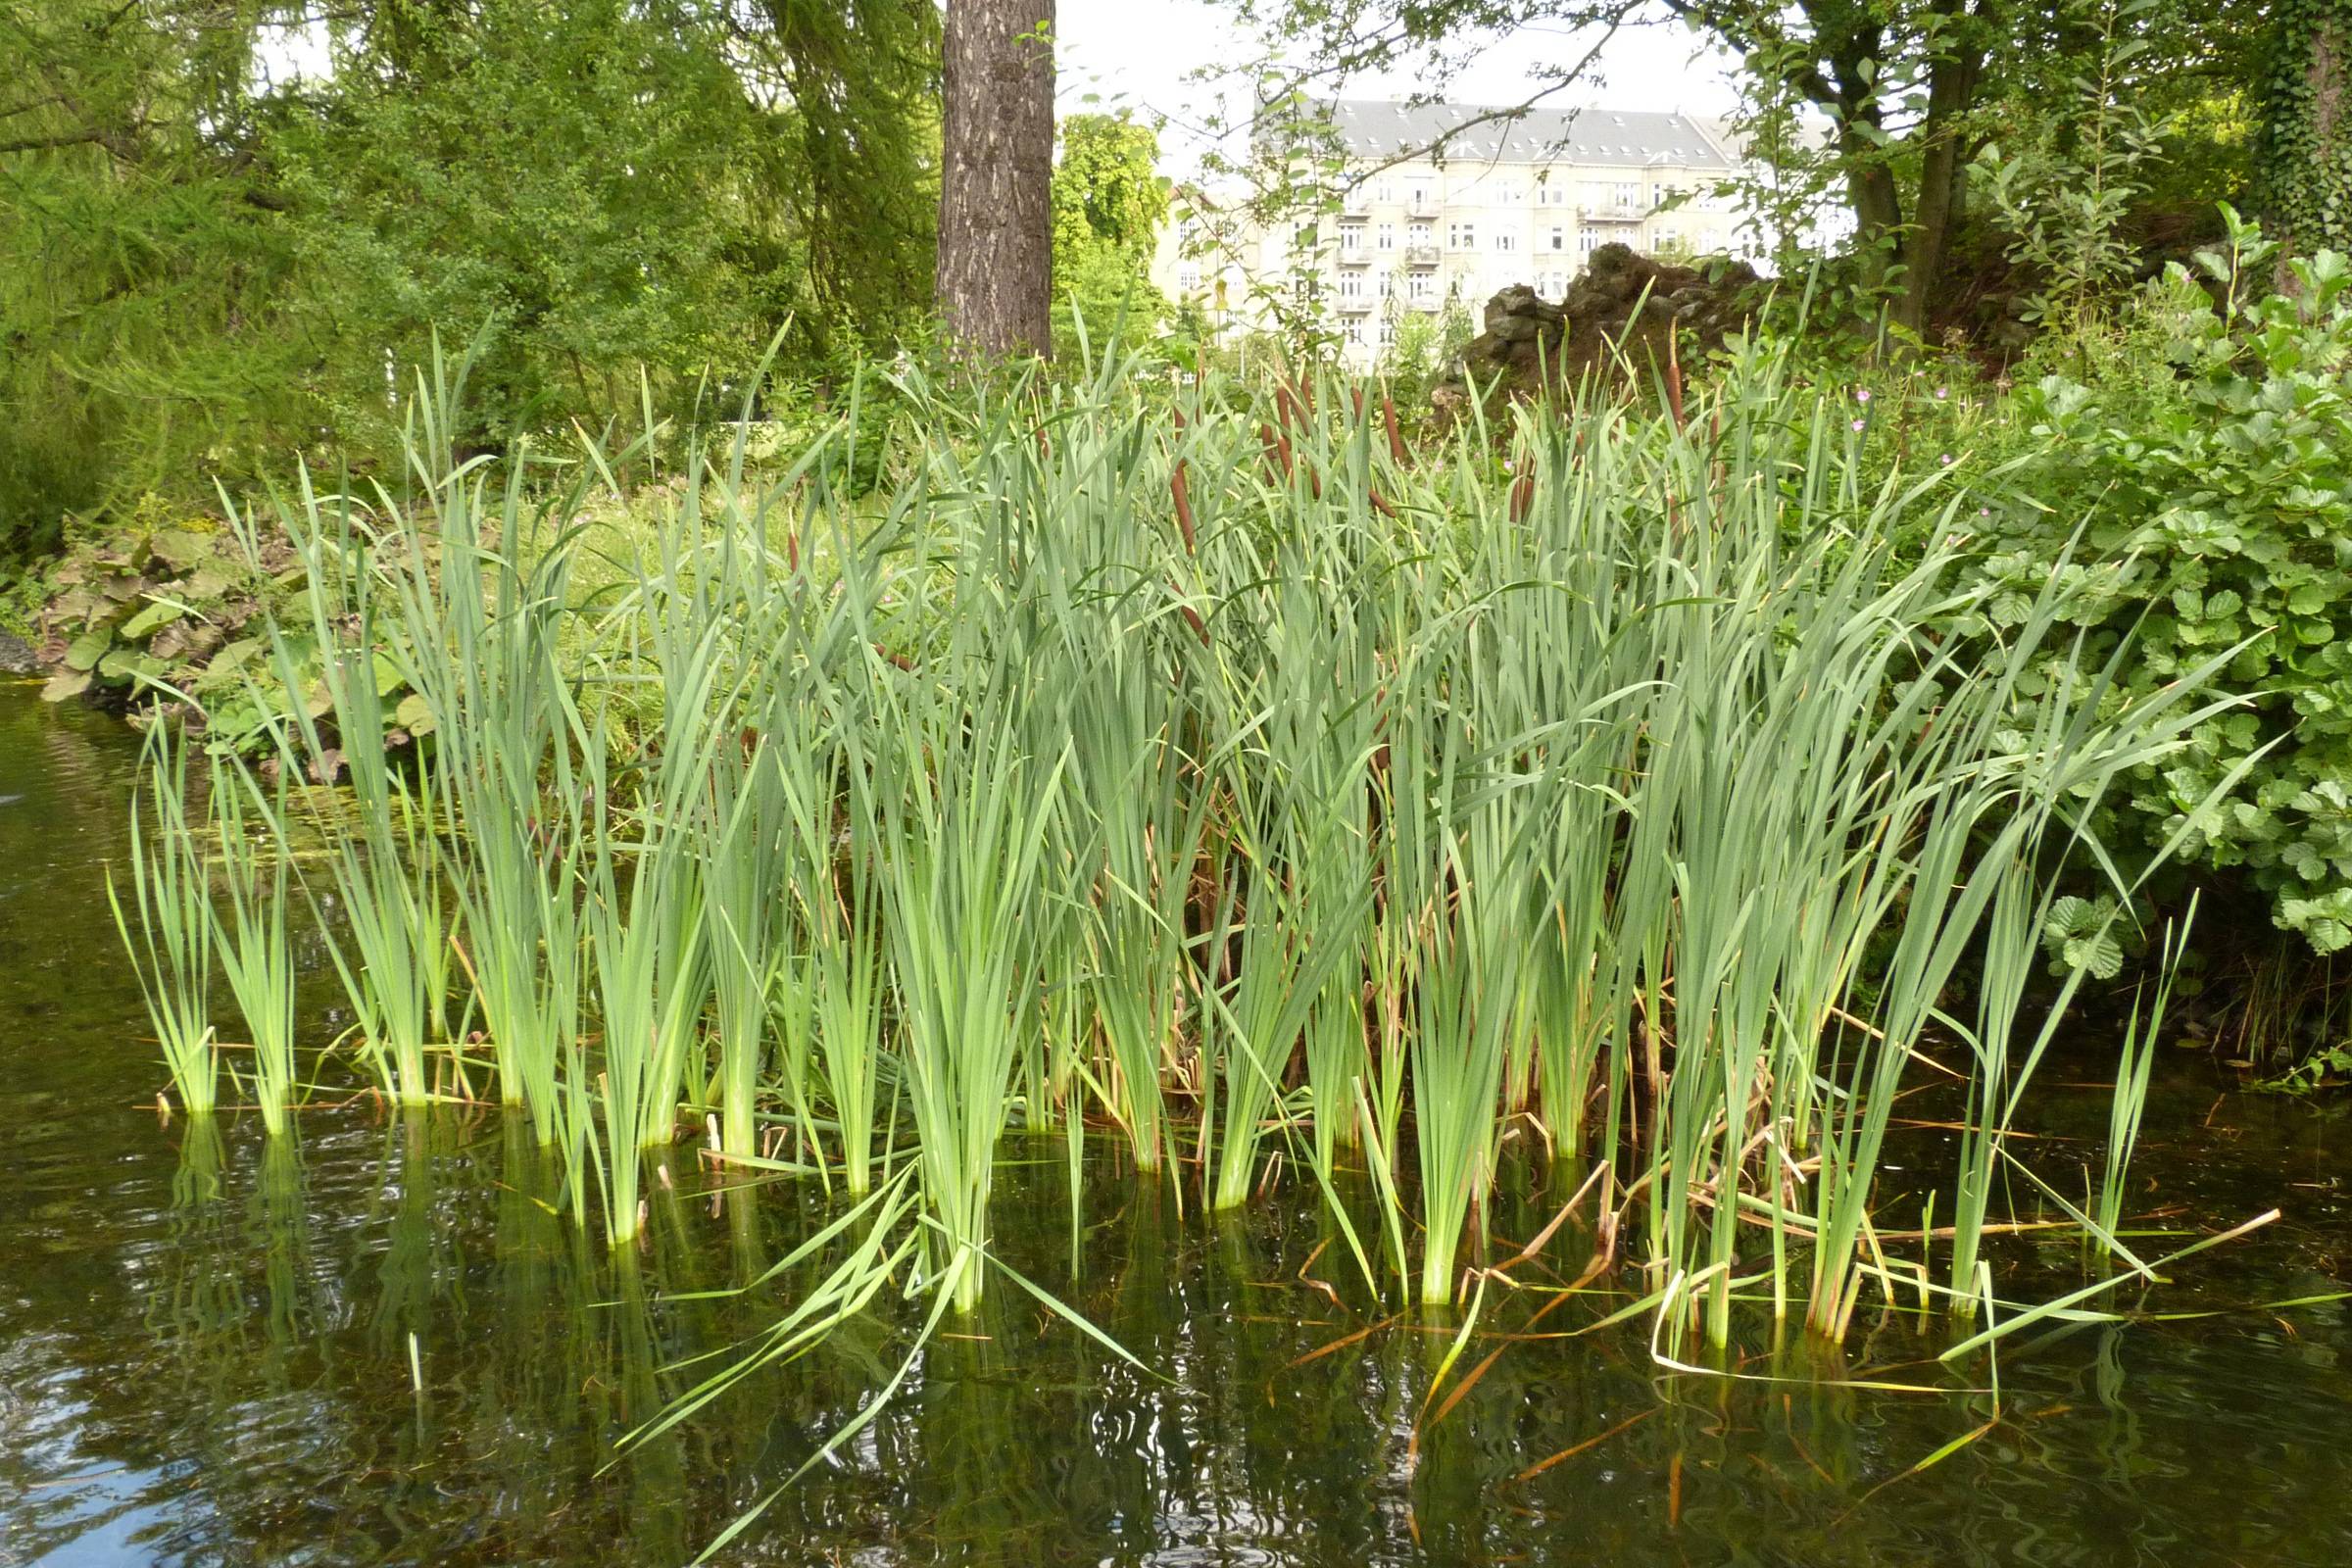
(1420, 255)
(1358, 257)
(1359, 305)
(1613, 213)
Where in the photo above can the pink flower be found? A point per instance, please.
(1862, 394)
(1857, 424)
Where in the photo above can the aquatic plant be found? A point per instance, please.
(168, 929)
(383, 855)
(253, 941)
(1227, 775)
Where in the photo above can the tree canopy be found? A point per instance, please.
(1109, 202)
(214, 260)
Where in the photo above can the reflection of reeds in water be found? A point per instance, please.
(414, 1268)
(282, 1214)
(198, 1297)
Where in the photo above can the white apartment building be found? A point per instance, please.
(1510, 200)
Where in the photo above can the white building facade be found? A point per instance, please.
(1522, 199)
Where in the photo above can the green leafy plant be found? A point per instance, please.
(2064, 188)
(2215, 506)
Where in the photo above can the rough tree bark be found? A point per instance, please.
(996, 245)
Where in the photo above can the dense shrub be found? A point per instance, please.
(2212, 485)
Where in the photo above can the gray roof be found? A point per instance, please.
(1371, 127)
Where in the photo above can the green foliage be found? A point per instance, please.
(2305, 154)
(1107, 203)
(581, 179)
(138, 242)
(2322, 1069)
(2216, 510)
(2079, 934)
(208, 264)
(2064, 188)
(148, 600)
(1426, 349)
(850, 178)
(171, 602)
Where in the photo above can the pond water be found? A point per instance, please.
(383, 1346)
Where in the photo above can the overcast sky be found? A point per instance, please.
(1143, 54)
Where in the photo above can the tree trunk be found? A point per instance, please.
(996, 255)
(2304, 160)
(1951, 92)
(1852, 47)
(1877, 204)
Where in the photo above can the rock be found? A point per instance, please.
(1515, 329)
(1623, 300)
(17, 656)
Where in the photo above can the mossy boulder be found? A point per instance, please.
(1616, 320)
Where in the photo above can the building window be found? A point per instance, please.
(1588, 240)
(1506, 241)
(1386, 331)
(1629, 193)
(1421, 234)
(1387, 239)
(1560, 237)
(1352, 238)
(1423, 286)
(1385, 191)
(1187, 279)
(1352, 285)
(1420, 198)
(1462, 235)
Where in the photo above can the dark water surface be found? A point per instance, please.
(384, 1345)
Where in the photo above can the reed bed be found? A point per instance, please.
(1204, 772)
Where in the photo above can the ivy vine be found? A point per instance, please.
(2304, 167)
